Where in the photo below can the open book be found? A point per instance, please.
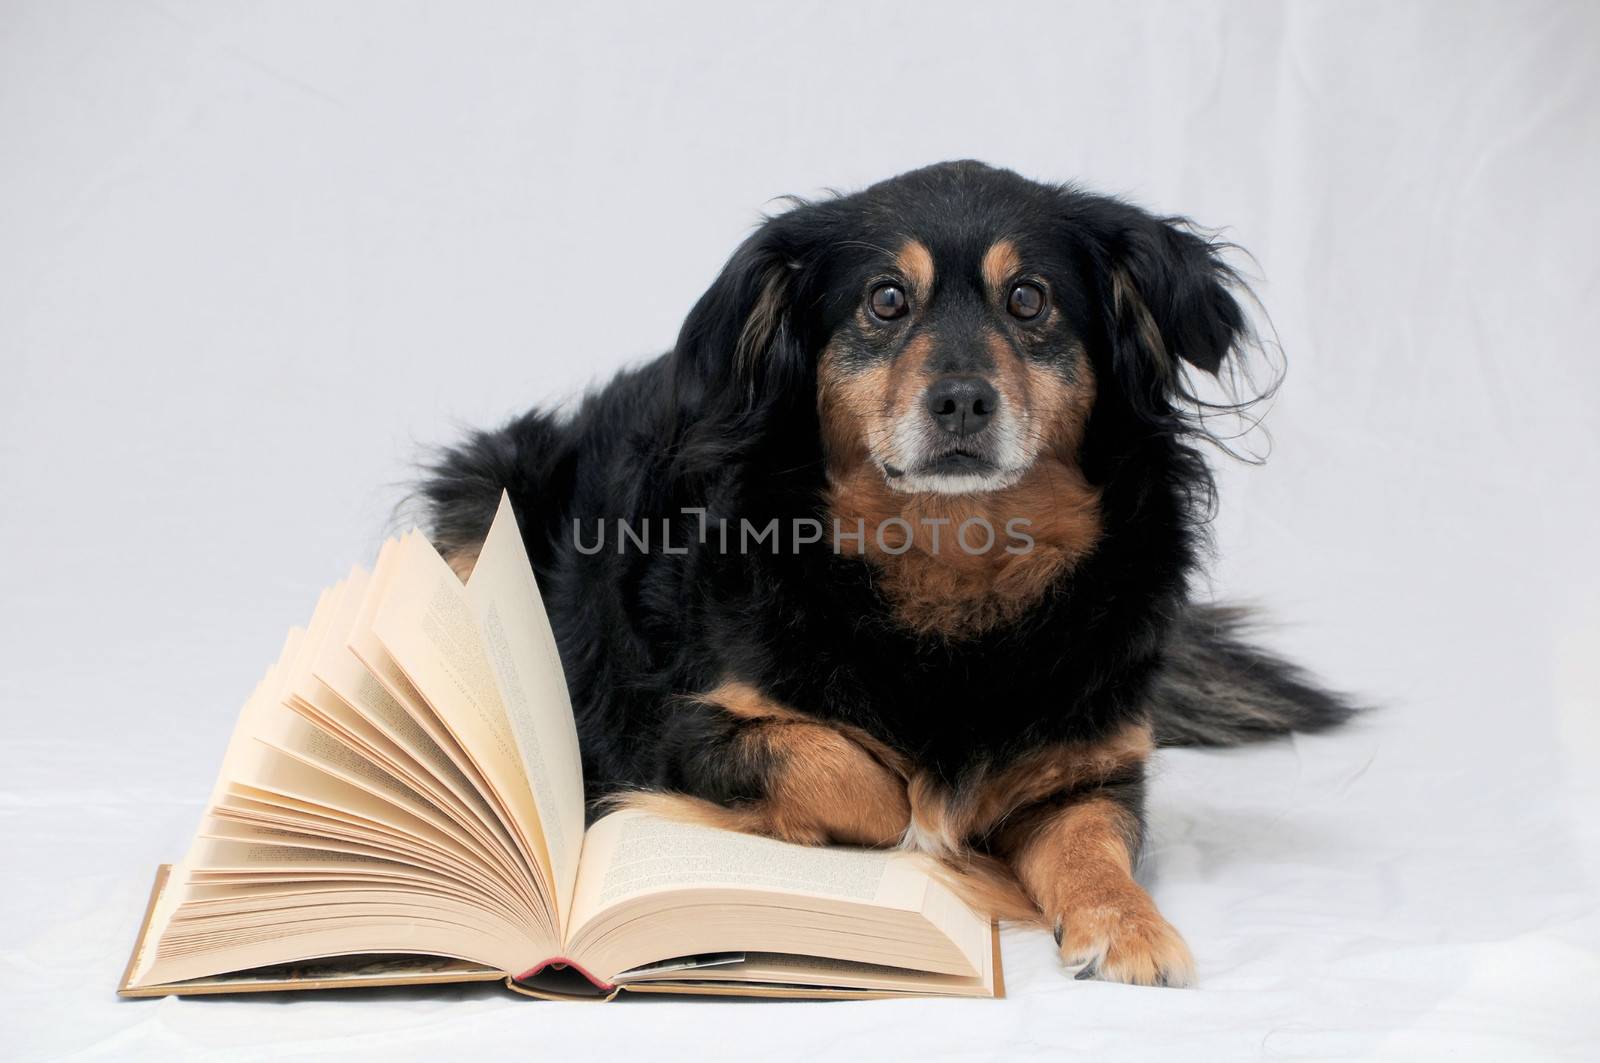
(402, 802)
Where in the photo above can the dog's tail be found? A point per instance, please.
(1216, 689)
(459, 491)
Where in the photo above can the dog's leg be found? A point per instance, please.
(1076, 861)
(740, 760)
(820, 786)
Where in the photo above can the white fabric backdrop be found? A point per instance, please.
(251, 257)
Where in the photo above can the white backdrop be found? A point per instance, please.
(252, 257)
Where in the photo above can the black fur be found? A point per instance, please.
(728, 421)
(1215, 689)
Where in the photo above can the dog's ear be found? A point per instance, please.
(739, 347)
(1167, 296)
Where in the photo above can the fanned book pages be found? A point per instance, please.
(402, 803)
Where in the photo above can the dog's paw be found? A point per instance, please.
(1125, 941)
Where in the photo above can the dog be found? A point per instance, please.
(894, 546)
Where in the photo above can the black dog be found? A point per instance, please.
(893, 547)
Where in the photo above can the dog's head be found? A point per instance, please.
(954, 326)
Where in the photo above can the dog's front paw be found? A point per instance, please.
(1125, 940)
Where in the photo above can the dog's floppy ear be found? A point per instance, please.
(739, 346)
(1167, 296)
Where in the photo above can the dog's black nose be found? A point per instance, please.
(962, 405)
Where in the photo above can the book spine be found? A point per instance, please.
(562, 963)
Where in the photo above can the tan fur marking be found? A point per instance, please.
(941, 588)
(462, 562)
(826, 788)
(847, 403)
(945, 820)
(915, 263)
(1011, 379)
(861, 406)
(762, 323)
(1076, 865)
(1126, 300)
(937, 587)
(1053, 770)
(933, 829)
(695, 811)
(988, 885)
(828, 783)
(748, 703)
(1000, 263)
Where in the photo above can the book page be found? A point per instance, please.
(240, 744)
(651, 889)
(636, 854)
(338, 669)
(427, 625)
(533, 689)
(337, 693)
(432, 898)
(380, 689)
(777, 969)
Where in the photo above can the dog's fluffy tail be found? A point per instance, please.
(459, 490)
(1216, 689)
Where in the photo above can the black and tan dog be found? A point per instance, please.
(893, 546)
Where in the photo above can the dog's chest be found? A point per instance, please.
(964, 720)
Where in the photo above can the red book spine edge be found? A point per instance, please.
(562, 961)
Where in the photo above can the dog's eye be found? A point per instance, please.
(887, 302)
(1026, 301)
